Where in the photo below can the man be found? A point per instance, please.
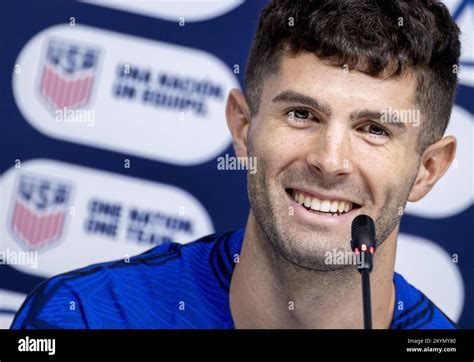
(345, 109)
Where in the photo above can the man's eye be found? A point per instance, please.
(300, 115)
(375, 130)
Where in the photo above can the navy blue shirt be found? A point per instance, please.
(173, 286)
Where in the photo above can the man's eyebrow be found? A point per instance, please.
(377, 116)
(289, 96)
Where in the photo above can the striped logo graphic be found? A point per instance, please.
(39, 211)
(68, 74)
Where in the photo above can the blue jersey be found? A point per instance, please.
(173, 286)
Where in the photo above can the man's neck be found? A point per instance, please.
(267, 291)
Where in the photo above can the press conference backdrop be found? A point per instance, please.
(112, 125)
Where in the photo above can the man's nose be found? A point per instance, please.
(331, 155)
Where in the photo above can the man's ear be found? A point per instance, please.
(435, 161)
(238, 120)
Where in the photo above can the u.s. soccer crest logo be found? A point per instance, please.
(39, 211)
(68, 74)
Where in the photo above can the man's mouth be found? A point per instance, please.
(321, 205)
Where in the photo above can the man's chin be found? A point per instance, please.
(303, 250)
(315, 262)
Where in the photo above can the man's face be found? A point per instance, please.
(320, 145)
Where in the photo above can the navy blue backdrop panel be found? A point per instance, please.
(113, 127)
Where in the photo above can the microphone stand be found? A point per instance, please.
(364, 266)
(366, 301)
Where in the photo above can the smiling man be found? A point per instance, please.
(345, 109)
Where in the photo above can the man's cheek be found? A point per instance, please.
(284, 148)
(390, 199)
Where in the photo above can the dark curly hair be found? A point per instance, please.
(377, 37)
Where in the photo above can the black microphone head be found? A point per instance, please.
(363, 232)
(363, 241)
(362, 221)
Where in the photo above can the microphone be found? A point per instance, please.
(363, 244)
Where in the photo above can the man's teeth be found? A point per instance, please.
(322, 205)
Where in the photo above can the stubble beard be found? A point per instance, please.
(307, 246)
